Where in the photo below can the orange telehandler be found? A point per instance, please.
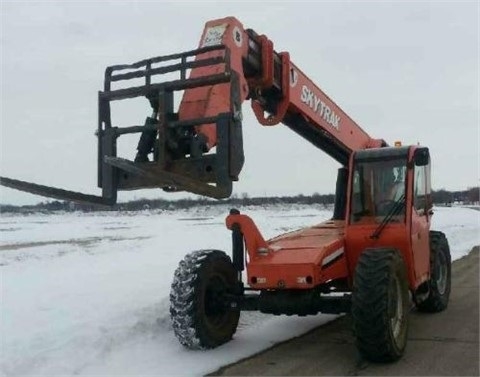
(376, 253)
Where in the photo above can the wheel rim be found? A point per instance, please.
(215, 309)
(441, 272)
(396, 308)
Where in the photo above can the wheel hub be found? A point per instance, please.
(441, 273)
(215, 309)
(396, 308)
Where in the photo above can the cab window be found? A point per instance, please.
(377, 187)
(422, 188)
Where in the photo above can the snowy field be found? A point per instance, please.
(88, 294)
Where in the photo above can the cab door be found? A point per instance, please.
(420, 227)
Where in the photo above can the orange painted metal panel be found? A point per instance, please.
(293, 260)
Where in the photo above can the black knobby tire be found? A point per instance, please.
(380, 305)
(439, 284)
(201, 317)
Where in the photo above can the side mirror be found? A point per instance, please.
(421, 157)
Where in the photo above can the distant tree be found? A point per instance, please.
(441, 196)
(473, 194)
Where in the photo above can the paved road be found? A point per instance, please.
(445, 343)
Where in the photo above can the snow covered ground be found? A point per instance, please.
(88, 293)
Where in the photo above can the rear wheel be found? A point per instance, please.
(380, 305)
(201, 316)
(440, 275)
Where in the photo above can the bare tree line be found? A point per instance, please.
(440, 197)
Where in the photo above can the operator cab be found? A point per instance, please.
(378, 184)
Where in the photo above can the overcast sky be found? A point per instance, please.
(404, 71)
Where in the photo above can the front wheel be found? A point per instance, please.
(199, 309)
(439, 283)
(380, 304)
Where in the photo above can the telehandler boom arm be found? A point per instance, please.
(276, 86)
